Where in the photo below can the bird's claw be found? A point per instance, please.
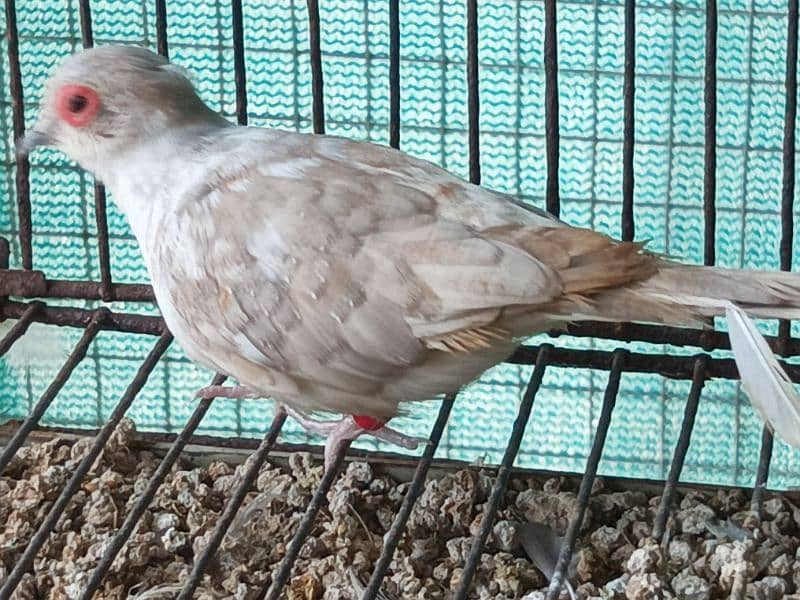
(342, 432)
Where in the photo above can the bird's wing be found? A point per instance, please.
(348, 268)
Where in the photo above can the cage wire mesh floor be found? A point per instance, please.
(469, 87)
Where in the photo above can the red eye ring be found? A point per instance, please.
(77, 104)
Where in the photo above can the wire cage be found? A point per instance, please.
(29, 296)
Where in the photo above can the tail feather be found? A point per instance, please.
(770, 390)
(683, 295)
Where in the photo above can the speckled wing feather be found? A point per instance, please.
(335, 266)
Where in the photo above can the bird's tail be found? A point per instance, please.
(683, 295)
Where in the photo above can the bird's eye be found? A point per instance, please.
(77, 104)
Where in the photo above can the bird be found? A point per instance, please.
(341, 276)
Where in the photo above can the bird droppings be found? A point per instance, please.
(714, 546)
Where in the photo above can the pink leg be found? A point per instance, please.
(342, 432)
(226, 391)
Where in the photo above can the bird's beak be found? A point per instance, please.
(33, 139)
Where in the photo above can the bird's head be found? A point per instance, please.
(107, 100)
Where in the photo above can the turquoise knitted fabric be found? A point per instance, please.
(355, 45)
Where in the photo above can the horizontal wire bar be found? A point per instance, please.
(143, 502)
(681, 448)
(19, 328)
(284, 571)
(34, 284)
(256, 461)
(619, 361)
(628, 332)
(415, 489)
(43, 532)
(675, 367)
(80, 317)
(503, 473)
(76, 356)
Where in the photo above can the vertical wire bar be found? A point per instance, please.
(473, 93)
(162, 46)
(284, 570)
(75, 357)
(762, 474)
(17, 331)
(392, 537)
(568, 545)
(629, 94)
(101, 215)
(43, 532)
(132, 519)
(681, 448)
(553, 202)
(710, 176)
(787, 228)
(23, 165)
(256, 461)
(503, 473)
(315, 47)
(394, 73)
(787, 192)
(239, 65)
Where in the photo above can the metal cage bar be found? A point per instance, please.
(392, 537)
(239, 64)
(74, 358)
(257, 460)
(618, 362)
(143, 502)
(275, 587)
(551, 127)
(106, 288)
(18, 114)
(629, 123)
(317, 86)
(162, 45)
(28, 283)
(46, 527)
(787, 227)
(473, 93)
(681, 448)
(19, 328)
(394, 73)
(710, 159)
(503, 473)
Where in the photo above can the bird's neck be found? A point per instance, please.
(148, 181)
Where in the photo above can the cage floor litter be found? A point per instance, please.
(714, 547)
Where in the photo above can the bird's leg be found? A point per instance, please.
(226, 391)
(342, 432)
(311, 425)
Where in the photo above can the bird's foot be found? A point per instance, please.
(226, 391)
(342, 432)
